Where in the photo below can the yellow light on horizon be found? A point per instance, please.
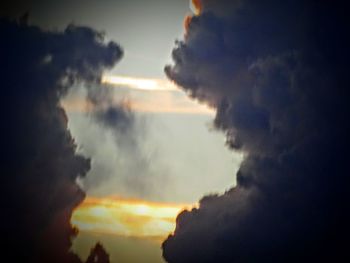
(150, 84)
(146, 95)
(126, 217)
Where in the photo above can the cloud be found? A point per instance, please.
(276, 74)
(126, 146)
(40, 163)
(127, 132)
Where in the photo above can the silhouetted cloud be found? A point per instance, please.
(40, 164)
(276, 72)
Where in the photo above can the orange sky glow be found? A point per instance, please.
(127, 217)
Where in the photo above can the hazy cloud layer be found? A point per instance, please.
(40, 164)
(276, 71)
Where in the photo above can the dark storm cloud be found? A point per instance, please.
(276, 71)
(39, 161)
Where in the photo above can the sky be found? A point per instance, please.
(161, 160)
(174, 131)
(146, 31)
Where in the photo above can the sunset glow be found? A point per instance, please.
(150, 84)
(196, 6)
(129, 218)
(145, 95)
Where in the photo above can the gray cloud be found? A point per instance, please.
(40, 164)
(123, 162)
(276, 73)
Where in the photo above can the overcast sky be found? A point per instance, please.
(145, 29)
(276, 82)
(171, 146)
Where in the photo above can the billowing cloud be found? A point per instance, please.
(276, 72)
(40, 164)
